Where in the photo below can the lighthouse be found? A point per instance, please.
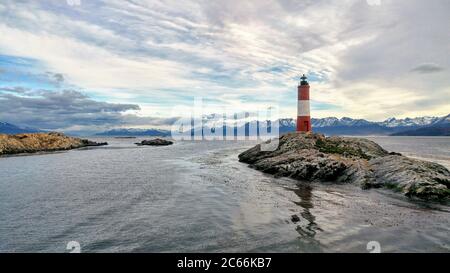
(303, 112)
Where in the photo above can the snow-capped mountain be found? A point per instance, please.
(287, 122)
(391, 122)
(443, 120)
(349, 126)
(407, 122)
(437, 127)
(325, 122)
(332, 121)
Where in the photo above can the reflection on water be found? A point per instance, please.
(197, 197)
(307, 229)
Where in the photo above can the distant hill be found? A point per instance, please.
(10, 129)
(135, 132)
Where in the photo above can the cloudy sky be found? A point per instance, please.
(81, 65)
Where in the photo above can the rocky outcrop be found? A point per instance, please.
(41, 142)
(413, 177)
(155, 142)
(89, 143)
(314, 157)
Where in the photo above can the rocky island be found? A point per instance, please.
(155, 142)
(41, 142)
(314, 157)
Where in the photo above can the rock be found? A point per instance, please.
(155, 142)
(412, 177)
(314, 157)
(89, 143)
(41, 142)
(295, 218)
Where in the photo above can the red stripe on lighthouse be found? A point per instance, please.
(302, 94)
(303, 108)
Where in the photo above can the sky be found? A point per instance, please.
(78, 65)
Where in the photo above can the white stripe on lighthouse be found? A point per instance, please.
(303, 108)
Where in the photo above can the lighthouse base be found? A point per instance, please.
(304, 124)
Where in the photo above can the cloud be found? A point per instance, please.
(59, 110)
(427, 68)
(160, 54)
(16, 90)
(58, 77)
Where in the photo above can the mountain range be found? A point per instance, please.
(11, 129)
(135, 132)
(421, 126)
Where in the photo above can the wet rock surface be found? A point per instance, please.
(41, 142)
(314, 157)
(155, 142)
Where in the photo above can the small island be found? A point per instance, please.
(155, 142)
(314, 157)
(41, 142)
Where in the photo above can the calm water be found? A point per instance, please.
(196, 197)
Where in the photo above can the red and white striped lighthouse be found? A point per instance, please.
(303, 112)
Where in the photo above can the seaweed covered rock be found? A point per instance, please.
(314, 157)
